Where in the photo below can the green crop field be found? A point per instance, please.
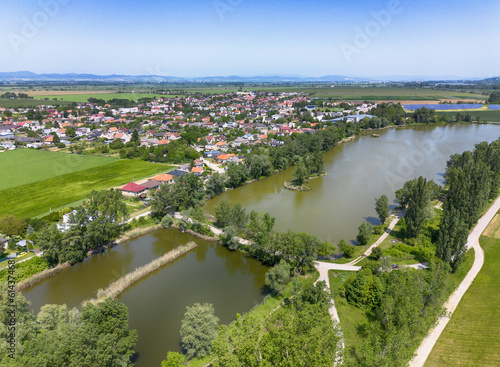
(26, 103)
(105, 96)
(471, 338)
(39, 197)
(490, 116)
(26, 166)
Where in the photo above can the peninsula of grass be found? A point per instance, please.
(471, 336)
(117, 287)
(39, 197)
(26, 166)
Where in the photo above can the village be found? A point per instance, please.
(228, 122)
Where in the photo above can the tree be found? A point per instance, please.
(278, 276)
(215, 184)
(56, 140)
(167, 221)
(365, 232)
(198, 330)
(223, 212)
(301, 174)
(346, 249)
(229, 238)
(135, 137)
(237, 174)
(50, 240)
(382, 208)
(70, 131)
(12, 225)
(173, 359)
(416, 214)
(363, 289)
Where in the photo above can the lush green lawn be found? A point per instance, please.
(24, 166)
(37, 198)
(471, 338)
(490, 116)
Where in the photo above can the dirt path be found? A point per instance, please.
(399, 215)
(473, 242)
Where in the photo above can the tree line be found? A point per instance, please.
(473, 179)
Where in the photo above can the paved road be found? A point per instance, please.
(213, 166)
(473, 242)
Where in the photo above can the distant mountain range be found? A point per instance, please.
(29, 76)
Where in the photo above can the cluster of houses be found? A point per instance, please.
(141, 189)
(262, 118)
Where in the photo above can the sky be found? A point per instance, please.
(369, 38)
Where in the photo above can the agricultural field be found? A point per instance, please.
(106, 96)
(471, 336)
(488, 115)
(27, 103)
(35, 198)
(26, 166)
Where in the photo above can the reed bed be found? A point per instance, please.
(35, 278)
(117, 287)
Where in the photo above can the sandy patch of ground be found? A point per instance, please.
(493, 229)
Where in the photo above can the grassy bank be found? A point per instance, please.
(25, 269)
(39, 276)
(117, 287)
(471, 336)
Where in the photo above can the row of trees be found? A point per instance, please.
(473, 179)
(298, 249)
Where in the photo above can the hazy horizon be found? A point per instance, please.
(313, 38)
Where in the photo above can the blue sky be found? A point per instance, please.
(252, 37)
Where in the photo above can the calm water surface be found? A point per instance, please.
(358, 172)
(232, 282)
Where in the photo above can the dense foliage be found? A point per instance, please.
(198, 329)
(95, 336)
(473, 179)
(300, 333)
(95, 223)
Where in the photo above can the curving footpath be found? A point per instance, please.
(399, 215)
(473, 242)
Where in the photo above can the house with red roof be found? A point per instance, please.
(133, 189)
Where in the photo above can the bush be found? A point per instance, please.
(376, 253)
(167, 221)
(277, 277)
(346, 249)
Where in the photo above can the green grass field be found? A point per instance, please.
(27, 103)
(26, 166)
(105, 96)
(37, 198)
(490, 116)
(471, 338)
